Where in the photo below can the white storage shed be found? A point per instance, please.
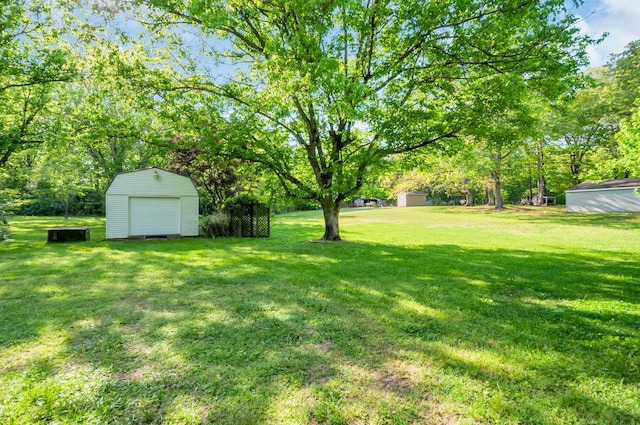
(606, 196)
(412, 199)
(151, 202)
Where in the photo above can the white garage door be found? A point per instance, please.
(154, 216)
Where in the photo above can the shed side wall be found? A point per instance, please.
(189, 214)
(117, 213)
(416, 200)
(611, 200)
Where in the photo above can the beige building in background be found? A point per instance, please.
(412, 199)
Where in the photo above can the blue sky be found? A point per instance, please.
(619, 18)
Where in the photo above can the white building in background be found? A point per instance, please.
(606, 196)
(151, 203)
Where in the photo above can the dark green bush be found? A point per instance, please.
(90, 203)
(237, 200)
(42, 206)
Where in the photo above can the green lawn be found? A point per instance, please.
(423, 315)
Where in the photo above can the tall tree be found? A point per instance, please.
(625, 80)
(111, 129)
(623, 96)
(311, 73)
(503, 120)
(217, 179)
(629, 139)
(64, 169)
(459, 172)
(582, 124)
(33, 62)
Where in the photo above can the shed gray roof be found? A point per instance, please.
(607, 184)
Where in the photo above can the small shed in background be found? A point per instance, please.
(151, 202)
(606, 196)
(412, 199)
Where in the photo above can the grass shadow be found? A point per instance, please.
(280, 330)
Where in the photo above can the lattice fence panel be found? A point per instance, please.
(263, 222)
(250, 220)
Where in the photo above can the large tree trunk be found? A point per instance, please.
(542, 182)
(468, 198)
(331, 210)
(575, 165)
(489, 192)
(3, 216)
(497, 191)
(542, 190)
(67, 207)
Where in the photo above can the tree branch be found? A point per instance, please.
(421, 144)
(64, 79)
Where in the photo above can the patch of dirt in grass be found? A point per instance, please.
(138, 349)
(394, 381)
(449, 420)
(139, 353)
(325, 346)
(437, 414)
(138, 374)
(399, 377)
(318, 374)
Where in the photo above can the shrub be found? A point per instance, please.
(4, 233)
(237, 200)
(215, 225)
(42, 206)
(90, 203)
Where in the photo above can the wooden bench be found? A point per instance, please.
(67, 234)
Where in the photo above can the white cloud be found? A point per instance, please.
(619, 18)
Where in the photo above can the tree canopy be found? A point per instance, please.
(326, 100)
(33, 60)
(324, 90)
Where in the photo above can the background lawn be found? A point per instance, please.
(424, 315)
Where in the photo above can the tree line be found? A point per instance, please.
(308, 103)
